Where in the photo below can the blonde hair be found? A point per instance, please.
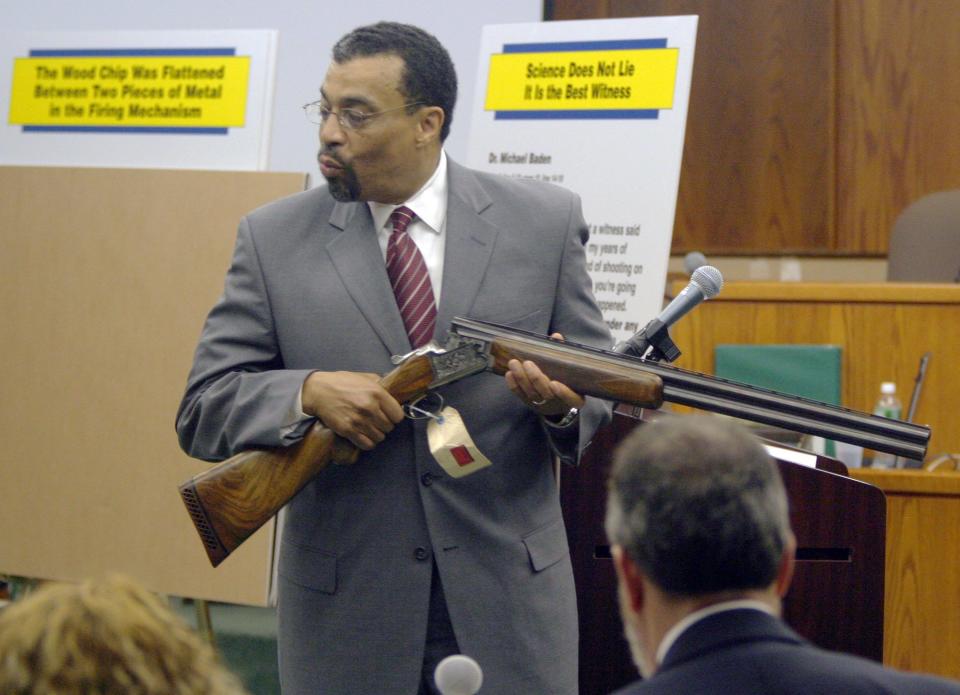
(106, 637)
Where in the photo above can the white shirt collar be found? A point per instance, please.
(678, 629)
(429, 203)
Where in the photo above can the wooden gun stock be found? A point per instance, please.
(234, 498)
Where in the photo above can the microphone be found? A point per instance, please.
(692, 261)
(705, 283)
(458, 674)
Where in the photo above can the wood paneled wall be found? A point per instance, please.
(898, 110)
(812, 123)
(921, 631)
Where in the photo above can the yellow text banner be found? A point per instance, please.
(141, 91)
(582, 80)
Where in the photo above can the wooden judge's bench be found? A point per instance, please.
(882, 328)
(879, 551)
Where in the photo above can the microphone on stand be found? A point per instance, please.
(705, 283)
(692, 261)
(458, 674)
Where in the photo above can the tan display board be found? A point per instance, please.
(107, 276)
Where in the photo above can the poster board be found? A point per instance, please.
(600, 107)
(170, 99)
(107, 277)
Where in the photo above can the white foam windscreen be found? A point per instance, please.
(458, 674)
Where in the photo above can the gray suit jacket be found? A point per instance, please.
(308, 290)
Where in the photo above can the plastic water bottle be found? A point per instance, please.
(887, 406)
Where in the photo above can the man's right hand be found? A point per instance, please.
(352, 404)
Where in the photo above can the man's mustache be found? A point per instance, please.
(327, 152)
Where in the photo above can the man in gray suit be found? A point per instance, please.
(390, 564)
(702, 545)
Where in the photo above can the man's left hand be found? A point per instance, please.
(541, 394)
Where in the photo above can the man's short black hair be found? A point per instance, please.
(429, 76)
(698, 504)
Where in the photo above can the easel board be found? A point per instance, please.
(107, 277)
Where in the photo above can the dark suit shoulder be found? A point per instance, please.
(749, 652)
(788, 670)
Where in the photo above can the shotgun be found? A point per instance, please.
(236, 497)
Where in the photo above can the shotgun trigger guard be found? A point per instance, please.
(429, 405)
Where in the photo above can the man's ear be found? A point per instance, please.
(431, 122)
(629, 576)
(786, 567)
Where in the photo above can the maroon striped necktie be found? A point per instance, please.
(410, 280)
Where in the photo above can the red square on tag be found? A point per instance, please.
(461, 455)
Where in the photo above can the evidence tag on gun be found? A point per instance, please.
(450, 442)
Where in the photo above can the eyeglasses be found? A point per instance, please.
(349, 119)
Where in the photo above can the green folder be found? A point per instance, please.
(810, 371)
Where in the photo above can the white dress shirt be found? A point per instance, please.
(674, 632)
(427, 232)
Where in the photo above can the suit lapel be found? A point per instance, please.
(356, 255)
(468, 247)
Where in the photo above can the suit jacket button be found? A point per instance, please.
(427, 479)
(421, 553)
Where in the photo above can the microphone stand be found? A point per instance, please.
(900, 461)
(652, 343)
